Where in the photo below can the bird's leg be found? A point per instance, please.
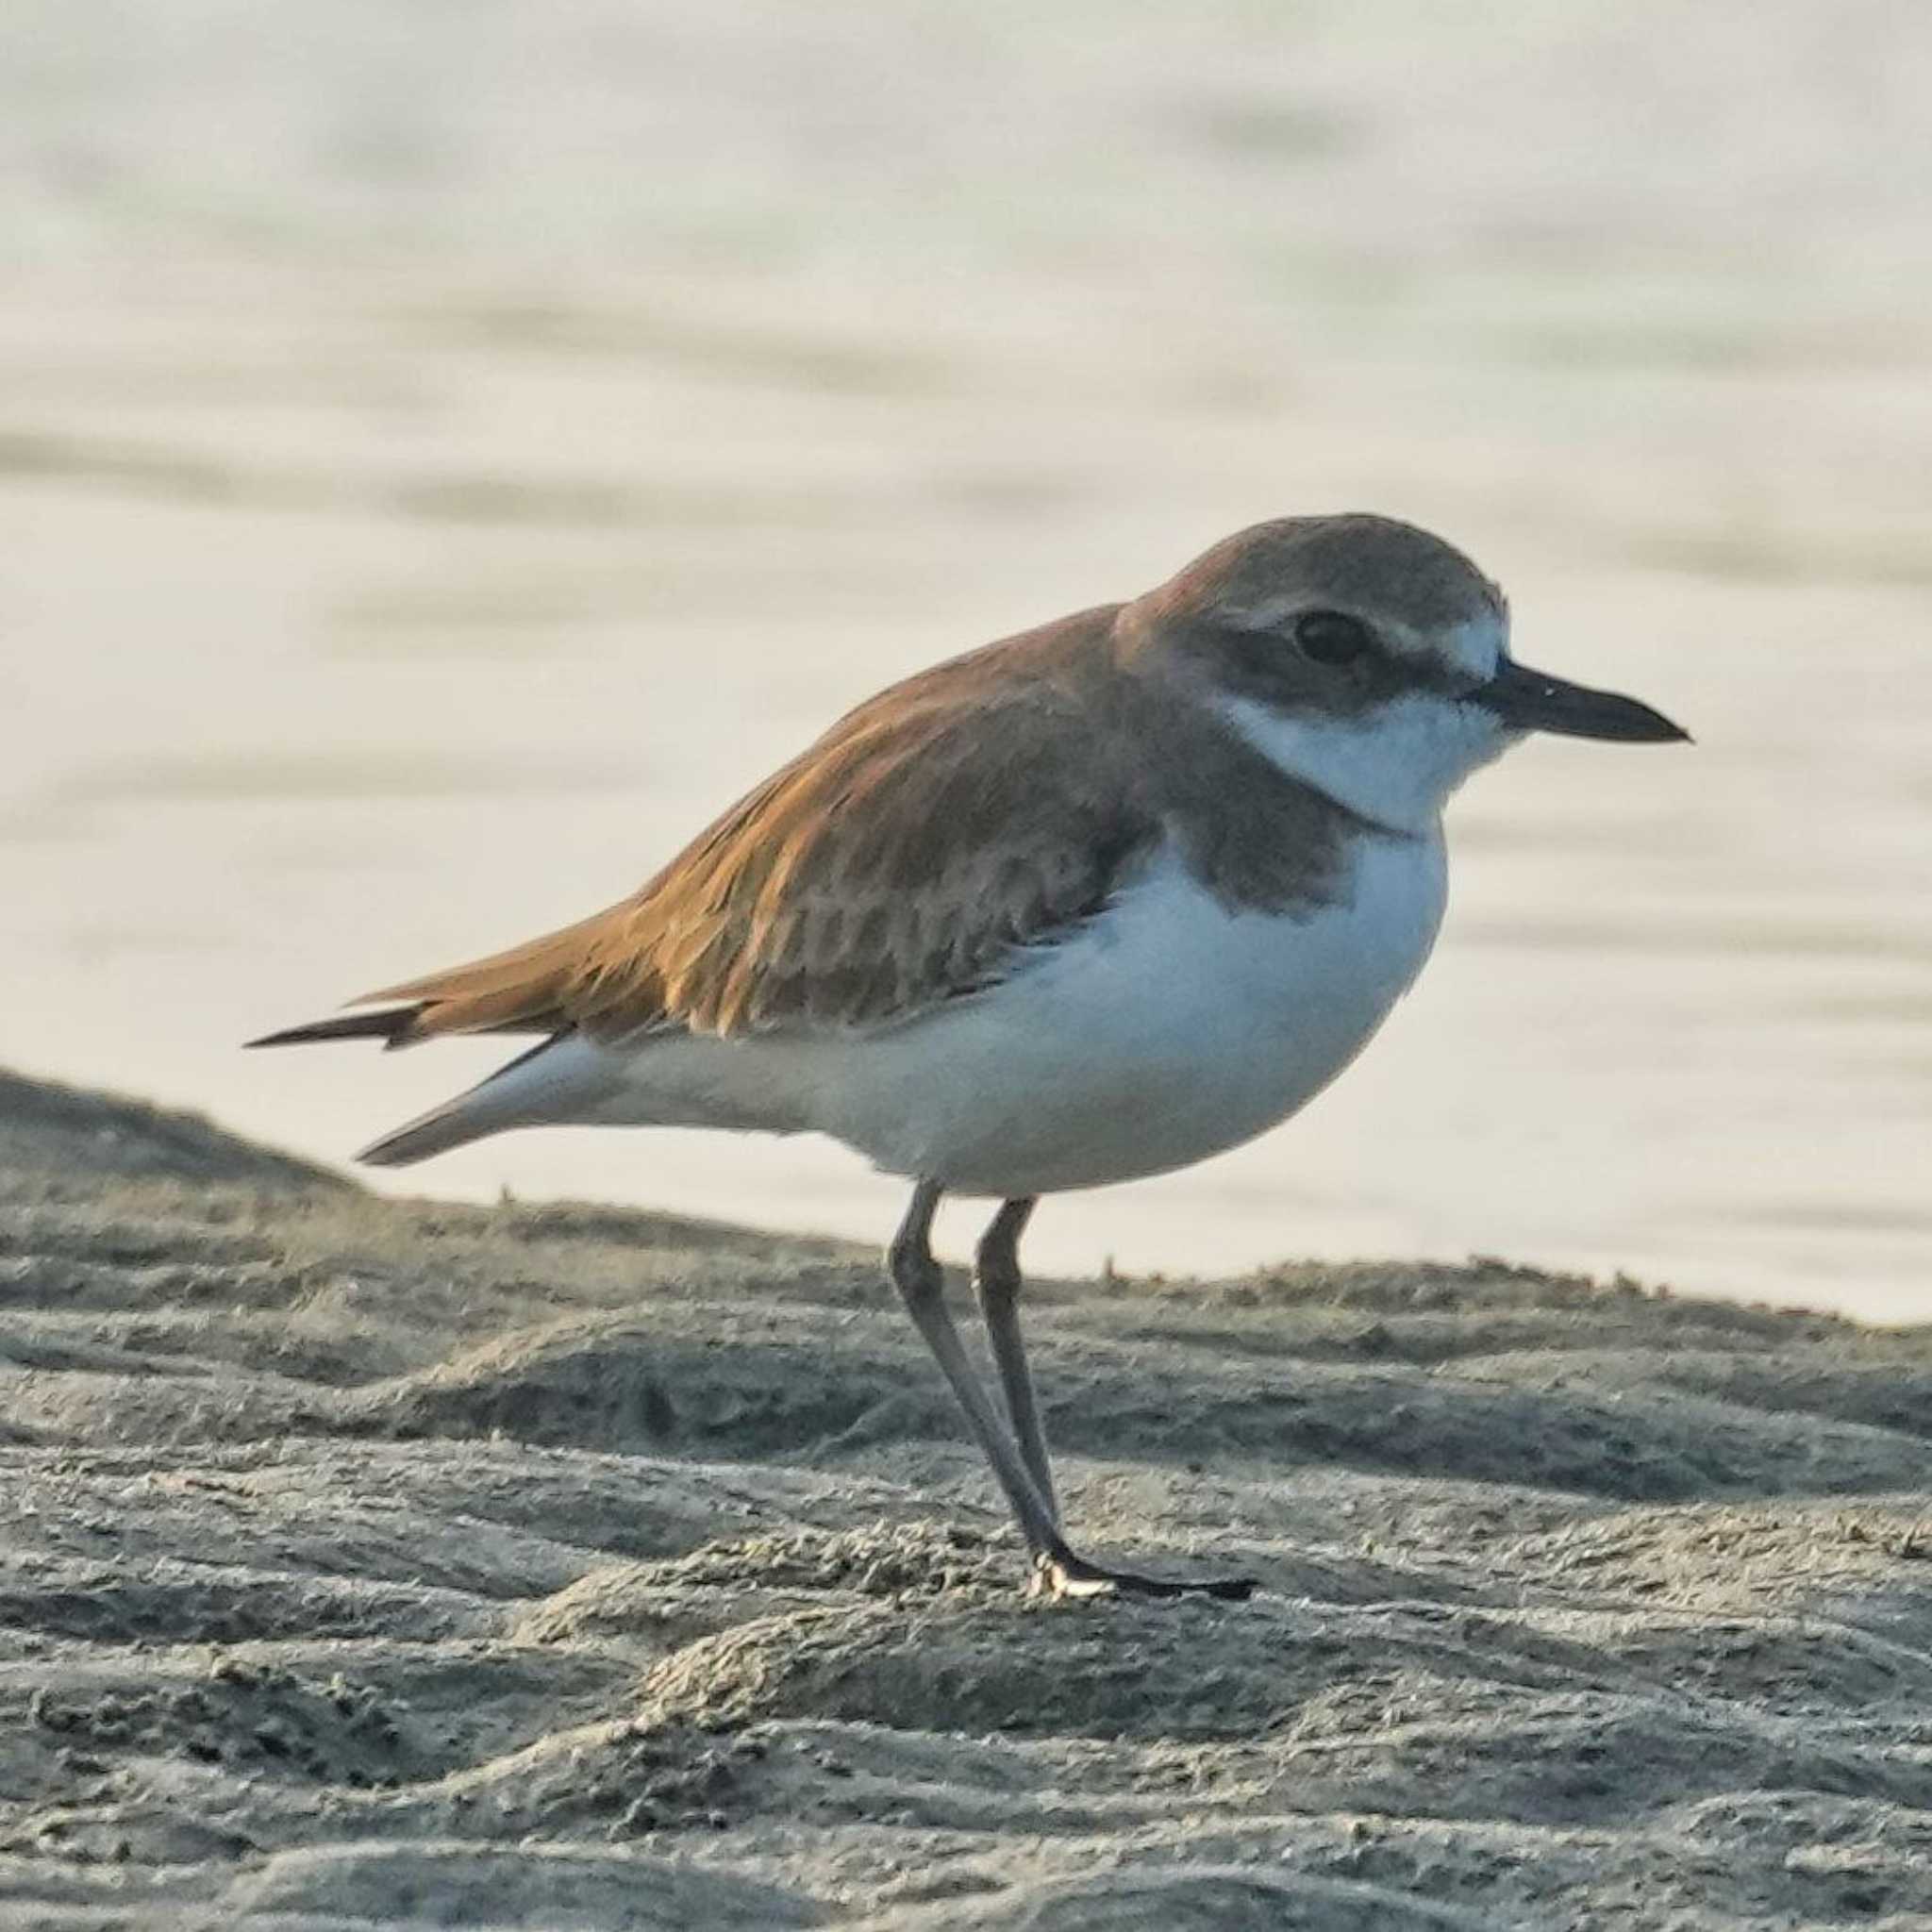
(1056, 1571)
(921, 1282)
(996, 1279)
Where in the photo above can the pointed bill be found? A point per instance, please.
(1527, 700)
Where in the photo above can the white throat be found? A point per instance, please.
(1396, 765)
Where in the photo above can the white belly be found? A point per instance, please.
(1169, 1030)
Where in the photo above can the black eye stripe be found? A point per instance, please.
(1276, 666)
(1332, 637)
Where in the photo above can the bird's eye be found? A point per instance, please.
(1329, 637)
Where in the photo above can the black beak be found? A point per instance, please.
(1534, 701)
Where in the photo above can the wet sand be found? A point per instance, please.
(370, 1561)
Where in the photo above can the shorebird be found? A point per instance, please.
(1090, 903)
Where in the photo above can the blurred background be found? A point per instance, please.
(448, 450)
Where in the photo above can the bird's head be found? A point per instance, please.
(1365, 655)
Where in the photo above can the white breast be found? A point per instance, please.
(1167, 1030)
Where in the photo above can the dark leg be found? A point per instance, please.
(1056, 1571)
(920, 1283)
(996, 1275)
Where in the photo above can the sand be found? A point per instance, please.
(373, 1563)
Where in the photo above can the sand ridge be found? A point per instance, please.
(396, 1563)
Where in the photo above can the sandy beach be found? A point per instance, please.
(374, 1561)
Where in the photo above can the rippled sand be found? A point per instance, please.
(376, 1561)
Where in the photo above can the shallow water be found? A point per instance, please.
(447, 452)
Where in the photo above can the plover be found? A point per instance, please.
(1090, 903)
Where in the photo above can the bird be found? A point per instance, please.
(1090, 903)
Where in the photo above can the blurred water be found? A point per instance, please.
(447, 451)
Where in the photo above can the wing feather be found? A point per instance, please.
(984, 807)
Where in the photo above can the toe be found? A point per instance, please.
(1063, 1575)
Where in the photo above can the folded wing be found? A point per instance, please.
(901, 861)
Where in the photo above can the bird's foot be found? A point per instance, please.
(1059, 1574)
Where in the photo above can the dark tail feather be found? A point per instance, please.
(395, 1027)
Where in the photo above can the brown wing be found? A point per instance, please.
(983, 805)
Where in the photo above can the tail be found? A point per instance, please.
(518, 991)
(559, 1079)
(451, 1125)
(394, 1026)
(522, 991)
(434, 1132)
